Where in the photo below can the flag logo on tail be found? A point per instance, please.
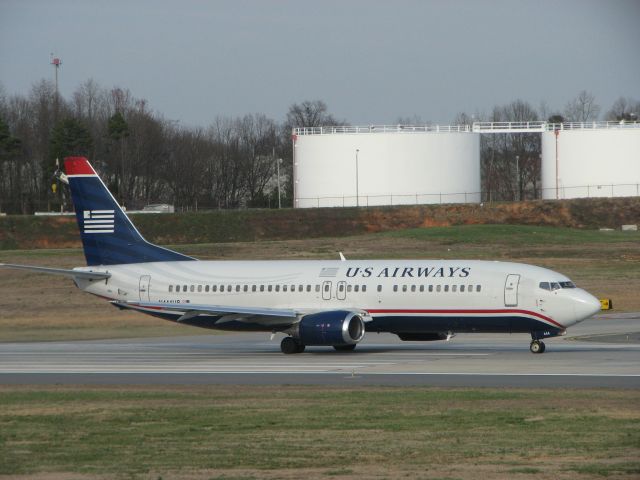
(98, 221)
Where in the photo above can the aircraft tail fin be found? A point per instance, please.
(108, 236)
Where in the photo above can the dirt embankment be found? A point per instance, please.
(27, 232)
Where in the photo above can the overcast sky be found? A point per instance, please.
(370, 61)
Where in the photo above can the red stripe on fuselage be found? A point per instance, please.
(78, 166)
(467, 312)
(416, 312)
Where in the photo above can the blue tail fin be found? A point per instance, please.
(108, 236)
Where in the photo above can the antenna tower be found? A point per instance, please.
(56, 62)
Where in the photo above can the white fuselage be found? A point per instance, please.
(396, 295)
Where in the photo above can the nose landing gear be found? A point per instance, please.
(537, 346)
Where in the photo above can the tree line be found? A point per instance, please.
(232, 163)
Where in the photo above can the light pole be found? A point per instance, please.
(357, 184)
(278, 161)
(557, 132)
(518, 186)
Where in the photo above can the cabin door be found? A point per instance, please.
(326, 290)
(511, 290)
(145, 281)
(341, 292)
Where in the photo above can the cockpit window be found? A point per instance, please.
(556, 285)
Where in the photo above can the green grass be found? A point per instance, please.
(606, 469)
(514, 235)
(17, 231)
(134, 431)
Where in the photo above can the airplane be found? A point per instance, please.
(316, 302)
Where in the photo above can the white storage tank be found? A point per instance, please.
(591, 160)
(381, 165)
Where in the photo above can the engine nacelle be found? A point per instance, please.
(339, 327)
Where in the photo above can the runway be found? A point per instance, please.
(600, 352)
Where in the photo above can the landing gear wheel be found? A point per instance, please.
(291, 345)
(537, 346)
(345, 348)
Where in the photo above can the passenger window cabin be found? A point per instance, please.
(342, 287)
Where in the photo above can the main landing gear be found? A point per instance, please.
(291, 345)
(537, 346)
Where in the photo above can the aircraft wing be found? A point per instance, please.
(60, 271)
(190, 310)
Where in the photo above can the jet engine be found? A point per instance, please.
(335, 328)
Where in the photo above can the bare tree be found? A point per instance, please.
(411, 120)
(624, 109)
(310, 114)
(226, 165)
(463, 118)
(583, 108)
(184, 164)
(510, 163)
(259, 140)
(148, 145)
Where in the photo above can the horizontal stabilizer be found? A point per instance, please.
(60, 271)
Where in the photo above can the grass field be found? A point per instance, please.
(236, 432)
(40, 307)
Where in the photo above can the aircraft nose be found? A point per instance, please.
(585, 306)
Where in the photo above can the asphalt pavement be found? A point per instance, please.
(600, 352)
